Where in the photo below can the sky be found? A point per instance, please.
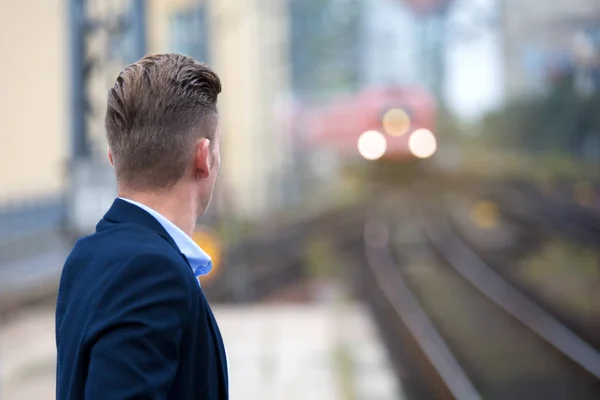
(473, 68)
(474, 63)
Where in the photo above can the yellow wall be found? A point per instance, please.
(248, 51)
(33, 98)
(159, 12)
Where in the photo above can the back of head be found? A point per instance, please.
(157, 109)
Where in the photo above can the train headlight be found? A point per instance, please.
(372, 145)
(422, 143)
(396, 122)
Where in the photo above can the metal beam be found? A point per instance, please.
(138, 21)
(77, 28)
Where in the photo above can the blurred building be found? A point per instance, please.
(325, 43)
(542, 37)
(34, 123)
(250, 51)
(341, 46)
(404, 43)
(245, 42)
(247, 45)
(35, 80)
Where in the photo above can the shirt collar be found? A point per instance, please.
(200, 262)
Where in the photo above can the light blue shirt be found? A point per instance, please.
(199, 261)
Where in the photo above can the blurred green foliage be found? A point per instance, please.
(567, 275)
(558, 121)
(553, 135)
(452, 130)
(320, 259)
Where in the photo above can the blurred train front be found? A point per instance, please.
(392, 123)
(393, 127)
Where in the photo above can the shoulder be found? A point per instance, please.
(125, 236)
(149, 262)
(127, 257)
(131, 242)
(147, 282)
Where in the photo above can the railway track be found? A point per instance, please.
(538, 223)
(529, 206)
(456, 328)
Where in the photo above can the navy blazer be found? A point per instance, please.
(131, 319)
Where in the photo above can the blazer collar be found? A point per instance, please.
(124, 212)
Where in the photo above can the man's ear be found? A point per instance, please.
(110, 157)
(203, 156)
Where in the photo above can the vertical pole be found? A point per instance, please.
(78, 146)
(424, 59)
(138, 21)
(438, 23)
(77, 27)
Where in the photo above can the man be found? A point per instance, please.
(131, 319)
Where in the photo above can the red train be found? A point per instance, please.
(394, 123)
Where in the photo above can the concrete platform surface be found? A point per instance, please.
(291, 352)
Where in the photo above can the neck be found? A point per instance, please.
(177, 206)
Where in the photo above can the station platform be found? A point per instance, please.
(275, 351)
